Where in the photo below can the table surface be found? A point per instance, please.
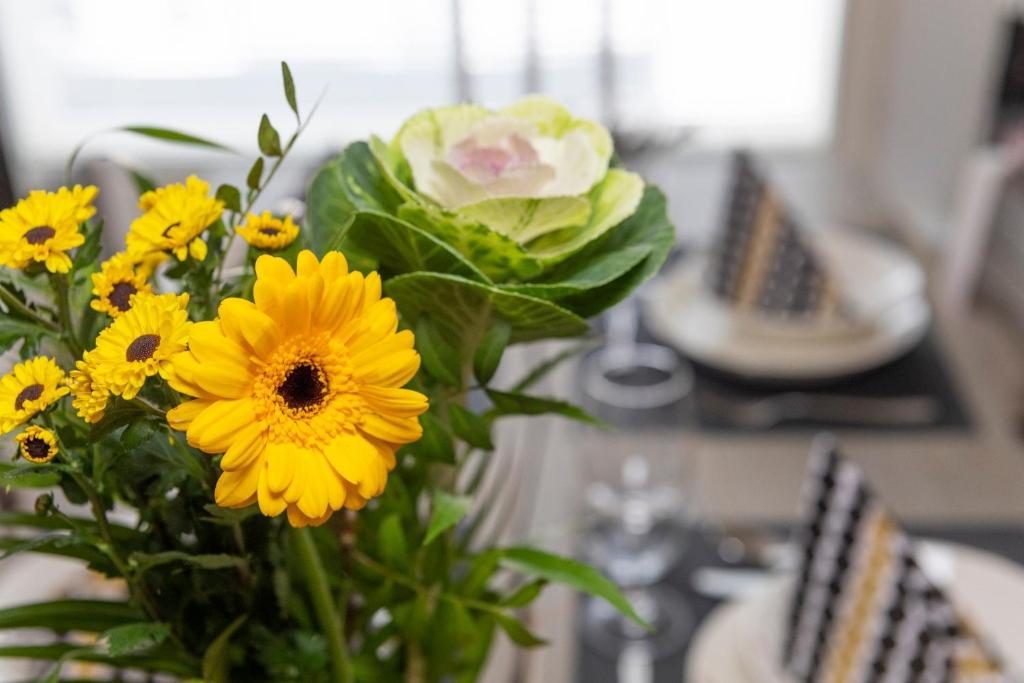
(595, 667)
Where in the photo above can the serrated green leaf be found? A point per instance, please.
(557, 569)
(510, 403)
(169, 135)
(525, 594)
(146, 561)
(470, 427)
(215, 659)
(268, 138)
(255, 175)
(12, 331)
(391, 542)
(401, 247)
(648, 226)
(498, 257)
(439, 358)
(488, 354)
(446, 511)
(70, 615)
(289, 87)
(350, 182)
(518, 632)
(463, 310)
(231, 197)
(134, 638)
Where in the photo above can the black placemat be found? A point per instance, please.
(596, 667)
(923, 371)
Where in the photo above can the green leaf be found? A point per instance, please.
(134, 638)
(289, 88)
(391, 543)
(470, 427)
(118, 414)
(498, 257)
(439, 358)
(229, 516)
(12, 331)
(401, 247)
(463, 310)
(539, 371)
(436, 442)
(159, 662)
(70, 615)
(146, 561)
(613, 200)
(89, 251)
(515, 630)
(169, 135)
(488, 353)
(268, 138)
(143, 183)
(62, 545)
(649, 226)
(544, 565)
(562, 282)
(526, 594)
(510, 403)
(348, 183)
(28, 476)
(231, 197)
(252, 180)
(447, 510)
(215, 659)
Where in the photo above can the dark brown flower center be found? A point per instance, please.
(36, 448)
(142, 348)
(121, 294)
(39, 234)
(29, 393)
(304, 387)
(269, 231)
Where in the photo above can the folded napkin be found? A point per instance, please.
(760, 259)
(862, 609)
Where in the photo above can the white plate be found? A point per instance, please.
(885, 288)
(741, 641)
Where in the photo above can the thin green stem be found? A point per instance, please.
(320, 592)
(15, 306)
(60, 285)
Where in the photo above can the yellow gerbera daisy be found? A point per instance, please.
(267, 232)
(42, 227)
(175, 217)
(140, 343)
(119, 278)
(37, 444)
(89, 397)
(301, 390)
(27, 389)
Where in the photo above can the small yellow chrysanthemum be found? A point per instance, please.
(89, 397)
(175, 217)
(27, 389)
(42, 228)
(301, 390)
(140, 343)
(113, 286)
(37, 444)
(267, 232)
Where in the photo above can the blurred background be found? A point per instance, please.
(888, 135)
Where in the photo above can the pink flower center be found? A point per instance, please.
(485, 164)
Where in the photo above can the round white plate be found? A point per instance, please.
(741, 641)
(885, 286)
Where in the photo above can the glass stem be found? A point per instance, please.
(320, 593)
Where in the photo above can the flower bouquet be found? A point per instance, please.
(279, 461)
